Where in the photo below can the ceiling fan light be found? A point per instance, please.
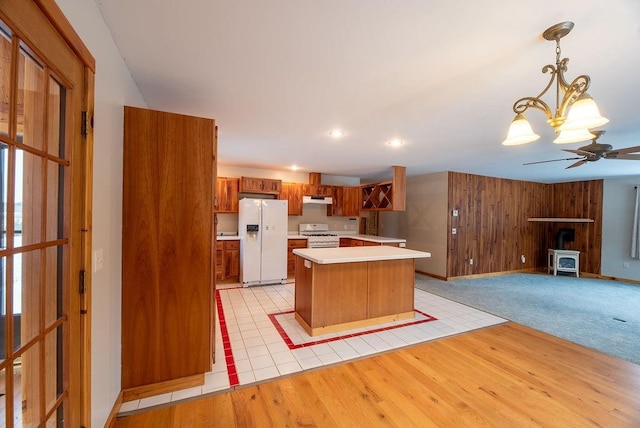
(568, 136)
(584, 114)
(520, 132)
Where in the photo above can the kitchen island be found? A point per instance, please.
(349, 287)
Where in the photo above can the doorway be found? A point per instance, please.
(44, 226)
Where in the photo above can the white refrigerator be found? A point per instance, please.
(262, 228)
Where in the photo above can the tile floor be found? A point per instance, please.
(257, 338)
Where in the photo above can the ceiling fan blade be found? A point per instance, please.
(626, 156)
(553, 160)
(626, 150)
(580, 162)
(578, 152)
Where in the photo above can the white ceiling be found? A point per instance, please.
(441, 75)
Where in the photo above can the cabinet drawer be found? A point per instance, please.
(232, 245)
(219, 245)
(297, 243)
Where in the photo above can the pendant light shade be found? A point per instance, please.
(520, 132)
(584, 114)
(574, 113)
(567, 136)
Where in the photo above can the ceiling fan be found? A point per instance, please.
(596, 151)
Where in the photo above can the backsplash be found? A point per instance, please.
(310, 214)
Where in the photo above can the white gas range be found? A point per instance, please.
(318, 235)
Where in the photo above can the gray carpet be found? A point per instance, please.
(599, 314)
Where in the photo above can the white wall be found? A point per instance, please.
(617, 219)
(424, 223)
(114, 88)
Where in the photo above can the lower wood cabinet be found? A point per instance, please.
(291, 258)
(228, 261)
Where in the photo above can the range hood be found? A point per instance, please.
(321, 200)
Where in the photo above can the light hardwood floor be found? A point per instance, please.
(503, 376)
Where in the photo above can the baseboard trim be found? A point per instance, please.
(114, 411)
(441, 278)
(610, 278)
(150, 390)
(487, 275)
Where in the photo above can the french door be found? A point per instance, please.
(42, 223)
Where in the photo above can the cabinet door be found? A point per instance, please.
(345, 242)
(291, 258)
(227, 195)
(220, 261)
(351, 201)
(232, 260)
(292, 192)
(167, 268)
(271, 186)
(337, 207)
(250, 185)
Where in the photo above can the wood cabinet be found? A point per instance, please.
(387, 195)
(317, 190)
(219, 261)
(227, 195)
(228, 261)
(346, 201)
(260, 185)
(291, 258)
(345, 242)
(292, 192)
(354, 242)
(167, 247)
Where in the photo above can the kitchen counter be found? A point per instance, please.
(227, 237)
(376, 239)
(351, 287)
(358, 254)
(296, 236)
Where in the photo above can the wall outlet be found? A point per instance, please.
(454, 231)
(470, 261)
(455, 213)
(523, 259)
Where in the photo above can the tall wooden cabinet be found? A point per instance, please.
(167, 246)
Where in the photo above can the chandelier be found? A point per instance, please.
(575, 111)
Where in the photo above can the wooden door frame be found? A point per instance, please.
(81, 209)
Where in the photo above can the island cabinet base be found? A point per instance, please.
(341, 296)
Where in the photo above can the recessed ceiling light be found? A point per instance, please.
(395, 143)
(294, 167)
(336, 133)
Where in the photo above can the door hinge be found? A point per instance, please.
(86, 123)
(82, 288)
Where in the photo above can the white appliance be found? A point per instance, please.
(318, 235)
(262, 228)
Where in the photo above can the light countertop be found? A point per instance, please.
(370, 238)
(358, 254)
(376, 239)
(227, 237)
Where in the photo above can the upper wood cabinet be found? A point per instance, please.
(387, 195)
(292, 192)
(260, 185)
(346, 201)
(227, 195)
(167, 246)
(317, 190)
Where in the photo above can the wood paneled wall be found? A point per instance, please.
(580, 199)
(492, 226)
